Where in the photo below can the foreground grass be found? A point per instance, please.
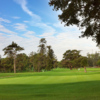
(59, 84)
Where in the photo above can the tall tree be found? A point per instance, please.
(11, 51)
(0, 59)
(42, 46)
(42, 54)
(50, 58)
(83, 13)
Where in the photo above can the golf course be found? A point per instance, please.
(57, 84)
(49, 49)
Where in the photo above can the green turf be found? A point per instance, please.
(58, 84)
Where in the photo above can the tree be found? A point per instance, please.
(22, 62)
(69, 56)
(84, 63)
(42, 54)
(59, 64)
(6, 64)
(44, 59)
(42, 46)
(0, 64)
(0, 60)
(83, 13)
(93, 58)
(98, 63)
(33, 58)
(11, 51)
(50, 58)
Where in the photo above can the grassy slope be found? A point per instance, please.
(59, 84)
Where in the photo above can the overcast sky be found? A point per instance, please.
(27, 21)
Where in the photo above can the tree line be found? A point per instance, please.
(73, 59)
(44, 59)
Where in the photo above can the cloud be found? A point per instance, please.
(45, 27)
(5, 30)
(46, 34)
(25, 21)
(16, 17)
(59, 37)
(23, 4)
(29, 34)
(36, 20)
(61, 42)
(20, 26)
(4, 20)
(68, 38)
(29, 44)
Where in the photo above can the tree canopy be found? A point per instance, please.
(70, 57)
(44, 59)
(11, 51)
(83, 13)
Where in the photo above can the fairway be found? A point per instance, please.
(58, 84)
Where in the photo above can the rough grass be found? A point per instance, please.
(58, 84)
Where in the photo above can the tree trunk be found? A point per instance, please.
(39, 67)
(14, 65)
(85, 69)
(33, 68)
(70, 67)
(54, 67)
(4, 69)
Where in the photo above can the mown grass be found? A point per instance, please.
(58, 84)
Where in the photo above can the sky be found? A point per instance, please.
(27, 21)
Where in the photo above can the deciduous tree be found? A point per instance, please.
(22, 62)
(84, 63)
(69, 56)
(83, 13)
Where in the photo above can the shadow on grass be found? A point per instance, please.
(69, 91)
